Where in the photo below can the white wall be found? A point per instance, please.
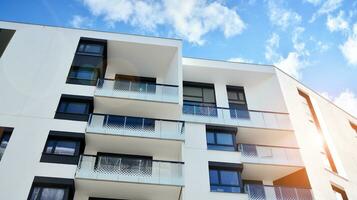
(340, 137)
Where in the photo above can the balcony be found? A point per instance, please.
(234, 117)
(161, 180)
(134, 135)
(148, 99)
(269, 163)
(263, 192)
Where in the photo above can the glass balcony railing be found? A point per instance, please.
(229, 116)
(263, 192)
(270, 155)
(137, 90)
(130, 170)
(136, 126)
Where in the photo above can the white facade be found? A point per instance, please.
(33, 73)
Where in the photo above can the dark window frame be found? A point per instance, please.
(78, 138)
(95, 61)
(221, 130)
(75, 116)
(226, 167)
(242, 108)
(201, 86)
(59, 183)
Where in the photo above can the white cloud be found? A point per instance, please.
(298, 45)
(314, 2)
(280, 16)
(270, 48)
(349, 48)
(291, 64)
(337, 23)
(346, 100)
(190, 19)
(239, 59)
(78, 21)
(327, 7)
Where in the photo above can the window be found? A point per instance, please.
(89, 62)
(5, 37)
(74, 108)
(63, 147)
(126, 164)
(339, 193)
(237, 102)
(130, 122)
(44, 188)
(225, 177)
(199, 98)
(221, 138)
(5, 134)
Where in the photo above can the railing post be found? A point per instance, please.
(106, 121)
(129, 85)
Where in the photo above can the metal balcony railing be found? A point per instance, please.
(235, 117)
(135, 126)
(263, 192)
(130, 170)
(270, 155)
(137, 90)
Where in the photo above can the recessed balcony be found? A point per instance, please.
(264, 192)
(135, 135)
(269, 163)
(148, 99)
(119, 178)
(234, 117)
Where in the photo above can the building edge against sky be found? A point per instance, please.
(88, 115)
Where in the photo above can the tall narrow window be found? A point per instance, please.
(199, 99)
(237, 102)
(89, 62)
(313, 120)
(74, 108)
(339, 193)
(5, 134)
(5, 37)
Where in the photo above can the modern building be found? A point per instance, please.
(91, 115)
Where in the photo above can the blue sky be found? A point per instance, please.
(313, 40)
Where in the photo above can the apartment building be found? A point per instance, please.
(90, 115)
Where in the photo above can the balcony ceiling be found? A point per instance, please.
(138, 59)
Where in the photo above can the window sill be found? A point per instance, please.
(70, 116)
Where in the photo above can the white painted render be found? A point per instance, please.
(33, 72)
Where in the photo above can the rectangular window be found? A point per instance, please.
(45, 188)
(5, 37)
(89, 62)
(74, 108)
(221, 138)
(63, 147)
(237, 102)
(225, 178)
(199, 99)
(5, 135)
